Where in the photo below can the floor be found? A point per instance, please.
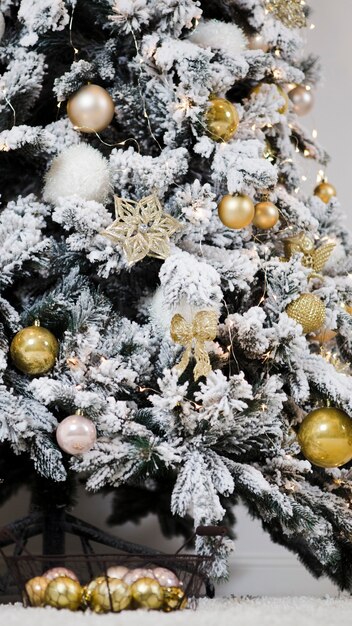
(262, 611)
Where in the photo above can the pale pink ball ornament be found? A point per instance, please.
(76, 434)
(56, 572)
(136, 574)
(302, 98)
(166, 578)
(117, 571)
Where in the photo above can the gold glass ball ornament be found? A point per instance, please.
(256, 41)
(88, 589)
(325, 437)
(309, 311)
(302, 98)
(34, 350)
(64, 593)
(111, 594)
(266, 215)
(236, 211)
(221, 119)
(174, 599)
(147, 593)
(281, 91)
(90, 109)
(325, 191)
(35, 591)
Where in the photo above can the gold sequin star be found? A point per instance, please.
(289, 12)
(142, 228)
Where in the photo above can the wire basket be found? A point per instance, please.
(193, 571)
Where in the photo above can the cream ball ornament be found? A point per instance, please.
(76, 434)
(236, 211)
(302, 99)
(256, 41)
(266, 215)
(78, 171)
(90, 109)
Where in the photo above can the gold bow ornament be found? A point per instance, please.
(192, 336)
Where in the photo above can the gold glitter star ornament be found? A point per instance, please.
(289, 12)
(142, 228)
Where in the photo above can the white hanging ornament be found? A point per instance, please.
(78, 171)
(219, 36)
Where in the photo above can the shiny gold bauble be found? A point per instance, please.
(325, 191)
(90, 109)
(221, 119)
(174, 599)
(34, 350)
(64, 593)
(35, 590)
(147, 593)
(266, 215)
(302, 99)
(88, 589)
(309, 311)
(111, 594)
(256, 41)
(284, 108)
(236, 211)
(325, 437)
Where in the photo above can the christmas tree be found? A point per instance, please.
(175, 311)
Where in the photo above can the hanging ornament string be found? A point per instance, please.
(202, 328)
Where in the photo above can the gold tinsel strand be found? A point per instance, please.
(289, 12)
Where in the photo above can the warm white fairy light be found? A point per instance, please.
(314, 133)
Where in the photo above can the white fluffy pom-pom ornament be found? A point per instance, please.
(220, 36)
(78, 171)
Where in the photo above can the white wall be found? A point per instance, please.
(258, 566)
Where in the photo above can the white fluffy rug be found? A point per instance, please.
(220, 612)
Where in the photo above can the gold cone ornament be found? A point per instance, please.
(221, 119)
(142, 228)
(325, 437)
(309, 311)
(312, 257)
(325, 191)
(289, 12)
(34, 350)
(193, 335)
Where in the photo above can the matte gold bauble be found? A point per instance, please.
(284, 108)
(325, 191)
(309, 311)
(111, 594)
(147, 593)
(325, 437)
(236, 211)
(302, 99)
(174, 599)
(266, 215)
(90, 109)
(35, 590)
(221, 119)
(64, 593)
(34, 350)
(256, 41)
